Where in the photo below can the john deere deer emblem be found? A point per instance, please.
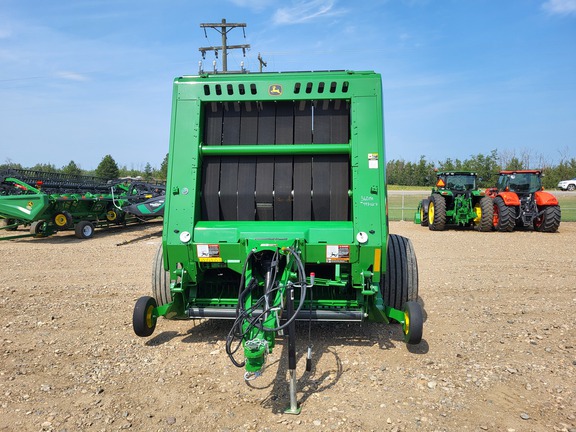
(275, 90)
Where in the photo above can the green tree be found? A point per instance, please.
(107, 169)
(148, 172)
(164, 167)
(72, 168)
(45, 167)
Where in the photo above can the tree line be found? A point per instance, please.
(398, 171)
(107, 169)
(423, 173)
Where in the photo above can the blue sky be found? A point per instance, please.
(80, 79)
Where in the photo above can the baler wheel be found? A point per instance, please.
(160, 279)
(143, 319)
(413, 323)
(401, 279)
(84, 230)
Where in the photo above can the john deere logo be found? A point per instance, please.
(275, 90)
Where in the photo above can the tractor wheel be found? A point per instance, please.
(503, 216)
(550, 219)
(160, 280)
(37, 228)
(143, 319)
(84, 230)
(423, 215)
(63, 220)
(485, 215)
(413, 323)
(401, 279)
(437, 213)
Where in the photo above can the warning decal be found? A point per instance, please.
(208, 253)
(337, 253)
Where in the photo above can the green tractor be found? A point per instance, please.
(455, 200)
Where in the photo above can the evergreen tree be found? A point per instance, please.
(107, 169)
(72, 168)
(164, 167)
(148, 172)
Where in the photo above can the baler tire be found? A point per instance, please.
(8, 222)
(143, 319)
(437, 213)
(413, 323)
(84, 230)
(400, 281)
(160, 279)
(550, 220)
(486, 215)
(503, 218)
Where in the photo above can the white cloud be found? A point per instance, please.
(257, 5)
(72, 76)
(305, 11)
(560, 7)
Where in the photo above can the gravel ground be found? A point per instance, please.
(498, 352)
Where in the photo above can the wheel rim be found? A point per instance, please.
(111, 215)
(431, 213)
(406, 323)
(421, 213)
(496, 217)
(87, 230)
(478, 217)
(60, 220)
(148, 317)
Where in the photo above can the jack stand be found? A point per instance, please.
(294, 408)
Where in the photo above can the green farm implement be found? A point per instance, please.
(276, 212)
(455, 200)
(51, 202)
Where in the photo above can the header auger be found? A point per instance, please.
(276, 212)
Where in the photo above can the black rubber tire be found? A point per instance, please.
(63, 220)
(7, 222)
(37, 228)
(550, 219)
(401, 279)
(423, 214)
(143, 319)
(503, 217)
(84, 230)
(437, 213)
(571, 187)
(413, 323)
(160, 279)
(486, 216)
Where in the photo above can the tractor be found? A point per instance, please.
(455, 200)
(276, 212)
(520, 202)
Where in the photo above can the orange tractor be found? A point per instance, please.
(520, 202)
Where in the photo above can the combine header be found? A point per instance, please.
(51, 202)
(276, 211)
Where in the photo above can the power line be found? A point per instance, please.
(223, 28)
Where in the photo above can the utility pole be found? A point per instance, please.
(223, 28)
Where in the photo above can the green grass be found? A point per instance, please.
(402, 206)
